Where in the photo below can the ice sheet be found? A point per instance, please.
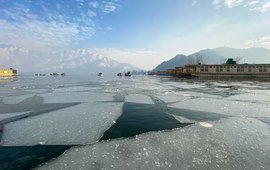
(139, 98)
(4, 116)
(78, 88)
(227, 107)
(16, 99)
(252, 97)
(181, 96)
(235, 143)
(76, 97)
(80, 124)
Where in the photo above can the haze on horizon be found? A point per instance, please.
(142, 33)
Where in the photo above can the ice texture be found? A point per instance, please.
(80, 124)
(16, 99)
(71, 97)
(227, 107)
(238, 143)
(4, 116)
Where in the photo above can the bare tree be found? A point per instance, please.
(238, 59)
(190, 60)
(222, 60)
(200, 59)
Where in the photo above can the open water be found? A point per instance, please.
(139, 122)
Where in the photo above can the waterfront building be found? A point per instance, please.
(228, 70)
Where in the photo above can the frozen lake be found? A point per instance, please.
(140, 122)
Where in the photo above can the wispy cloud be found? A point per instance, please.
(254, 5)
(227, 3)
(109, 6)
(263, 8)
(23, 25)
(26, 29)
(150, 58)
(94, 4)
(260, 42)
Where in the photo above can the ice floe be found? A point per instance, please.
(76, 97)
(80, 124)
(4, 116)
(227, 107)
(16, 98)
(224, 146)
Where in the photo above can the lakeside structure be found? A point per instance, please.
(229, 70)
(8, 72)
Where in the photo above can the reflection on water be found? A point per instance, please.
(7, 79)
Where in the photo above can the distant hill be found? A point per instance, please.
(219, 56)
(81, 61)
(250, 55)
(178, 60)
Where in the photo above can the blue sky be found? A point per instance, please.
(140, 32)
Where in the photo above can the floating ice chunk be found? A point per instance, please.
(139, 98)
(205, 124)
(225, 146)
(16, 99)
(76, 97)
(80, 124)
(226, 107)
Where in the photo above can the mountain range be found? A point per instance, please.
(84, 61)
(218, 56)
(75, 61)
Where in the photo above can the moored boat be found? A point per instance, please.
(8, 72)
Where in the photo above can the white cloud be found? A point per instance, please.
(263, 8)
(20, 27)
(260, 42)
(232, 3)
(217, 3)
(93, 4)
(254, 5)
(145, 59)
(109, 6)
(227, 3)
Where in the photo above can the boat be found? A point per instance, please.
(63, 74)
(8, 72)
(54, 74)
(128, 74)
(100, 74)
(119, 74)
